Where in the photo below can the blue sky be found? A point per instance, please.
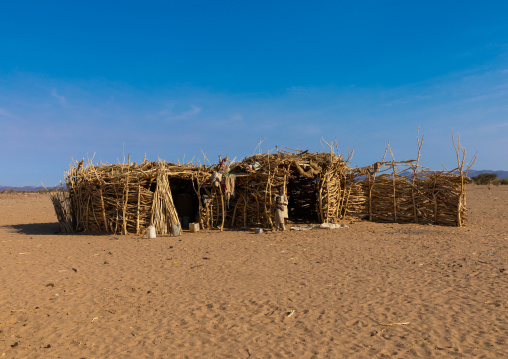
(174, 78)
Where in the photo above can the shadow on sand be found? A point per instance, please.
(44, 229)
(36, 228)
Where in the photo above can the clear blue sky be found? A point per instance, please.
(172, 78)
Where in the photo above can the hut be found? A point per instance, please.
(128, 197)
(313, 182)
(322, 188)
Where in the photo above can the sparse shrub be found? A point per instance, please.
(484, 178)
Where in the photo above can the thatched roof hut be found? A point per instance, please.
(312, 181)
(321, 187)
(128, 197)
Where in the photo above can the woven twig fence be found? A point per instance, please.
(405, 192)
(420, 197)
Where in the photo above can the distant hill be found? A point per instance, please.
(500, 174)
(25, 188)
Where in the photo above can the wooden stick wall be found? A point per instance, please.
(127, 197)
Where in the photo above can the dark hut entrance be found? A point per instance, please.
(303, 194)
(185, 200)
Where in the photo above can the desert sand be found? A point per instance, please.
(368, 291)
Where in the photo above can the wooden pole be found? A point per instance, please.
(371, 185)
(103, 210)
(222, 207)
(234, 211)
(394, 194)
(137, 216)
(245, 203)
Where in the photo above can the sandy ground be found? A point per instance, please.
(368, 291)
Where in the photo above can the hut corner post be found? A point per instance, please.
(124, 212)
(138, 209)
(461, 157)
(371, 185)
(415, 176)
(154, 209)
(223, 217)
(197, 189)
